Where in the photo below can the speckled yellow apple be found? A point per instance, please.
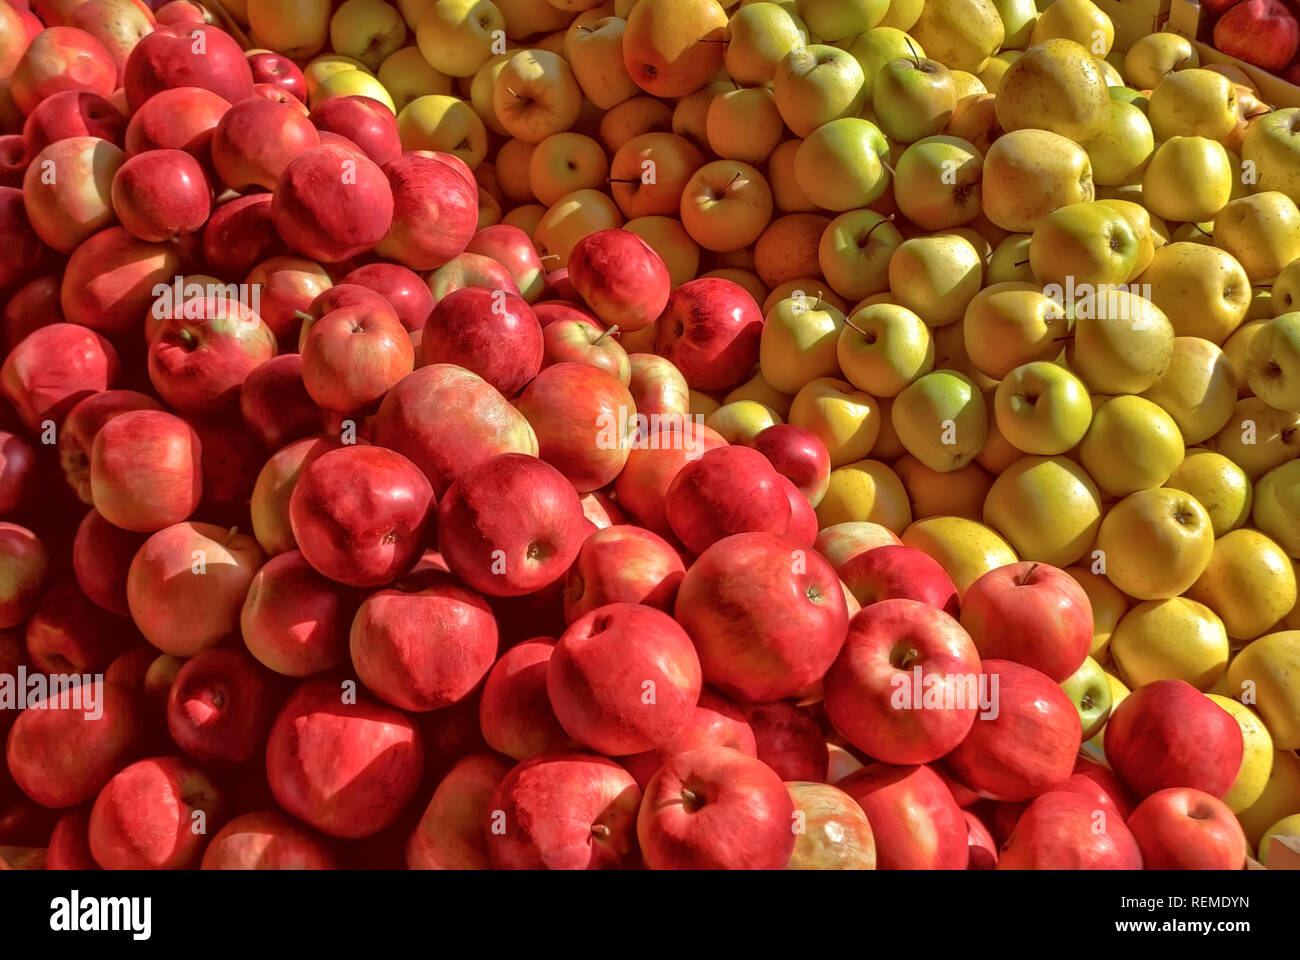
(1058, 86)
(854, 253)
(936, 277)
(1262, 231)
(884, 347)
(960, 34)
(1048, 509)
(1178, 638)
(1029, 173)
(966, 549)
(799, 342)
(1012, 323)
(1193, 103)
(1258, 438)
(941, 419)
(1273, 362)
(443, 123)
(1270, 668)
(1202, 289)
(1121, 152)
(1280, 798)
(456, 36)
(1155, 55)
(1091, 242)
(741, 420)
(406, 76)
(1188, 178)
(1256, 755)
(867, 490)
(1155, 543)
(1218, 484)
(1108, 604)
(595, 52)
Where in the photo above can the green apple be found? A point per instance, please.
(1089, 691)
(1057, 86)
(1273, 362)
(838, 166)
(1272, 144)
(936, 276)
(1042, 408)
(941, 419)
(1091, 242)
(816, 84)
(884, 347)
(1010, 260)
(833, 20)
(758, 37)
(1011, 323)
(1121, 152)
(1188, 179)
(854, 253)
(877, 46)
(1277, 506)
(799, 343)
(1193, 103)
(913, 98)
(1018, 17)
(937, 182)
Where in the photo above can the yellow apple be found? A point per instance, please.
(1218, 484)
(756, 388)
(1155, 543)
(1009, 262)
(967, 85)
(1286, 289)
(368, 30)
(1178, 639)
(758, 37)
(668, 238)
(702, 405)
(1122, 342)
(966, 549)
(1048, 508)
(631, 118)
(1193, 103)
(535, 95)
(1156, 55)
(937, 182)
(443, 123)
(564, 162)
(1131, 445)
(855, 251)
(351, 83)
(867, 490)
(838, 166)
(1249, 583)
(1117, 694)
(1056, 85)
(595, 52)
(1121, 152)
(1108, 604)
(833, 20)
(1042, 408)
(1276, 509)
(1202, 289)
(1018, 18)
(673, 47)
(1029, 173)
(1262, 231)
(297, 29)
(1273, 362)
(936, 277)
(995, 68)
(1198, 390)
(799, 342)
(1281, 797)
(406, 76)
(744, 124)
(456, 37)
(742, 420)
(1090, 242)
(1188, 178)
(884, 347)
(841, 542)
(1272, 144)
(570, 219)
(1078, 20)
(812, 289)
(941, 419)
(726, 205)
(816, 84)
(960, 34)
(1258, 437)
(846, 420)
(1268, 670)
(1256, 755)
(786, 193)
(957, 493)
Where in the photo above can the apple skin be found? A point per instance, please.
(727, 491)
(14, 160)
(447, 420)
(408, 295)
(70, 842)
(1169, 734)
(797, 454)
(994, 760)
(1099, 783)
(267, 840)
(622, 564)
(24, 564)
(886, 642)
(61, 58)
(596, 679)
(515, 711)
(1030, 613)
(788, 740)
(450, 834)
(33, 306)
(143, 818)
(434, 213)
(511, 247)
(256, 139)
(916, 823)
(198, 362)
(219, 707)
(110, 279)
(326, 215)
(295, 621)
(239, 235)
(161, 195)
(101, 556)
(425, 643)
(82, 425)
(23, 247)
(467, 269)
(17, 459)
(275, 407)
(183, 118)
(59, 756)
(510, 525)
(763, 631)
(492, 333)
(983, 848)
(68, 633)
(620, 277)
(1181, 828)
(353, 355)
(713, 808)
(347, 769)
(72, 113)
(268, 66)
(710, 329)
(363, 120)
(361, 514)
(894, 571)
(715, 722)
(231, 461)
(146, 470)
(169, 58)
(1059, 832)
(563, 811)
(835, 835)
(53, 368)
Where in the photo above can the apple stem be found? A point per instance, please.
(885, 163)
(549, 256)
(612, 330)
(1021, 263)
(234, 532)
(304, 315)
(1028, 573)
(731, 181)
(600, 830)
(819, 300)
(916, 59)
(848, 322)
(622, 179)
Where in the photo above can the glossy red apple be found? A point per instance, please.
(34, 305)
(1064, 831)
(187, 55)
(450, 835)
(144, 817)
(710, 329)
(287, 287)
(53, 369)
(220, 707)
(24, 248)
(70, 842)
(1181, 828)
(82, 425)
(915, 821)
(657, 388)
(183, 118)
(161, 194)
(146, 470)
(268, 66)
(114, 279)
(199, 361)
(266, 840)
(256, 139)
(511, 247)
(353, 356)
(1262, 32)
(275, 406)
(369, 124)
(797, 454)
(295, 621)
(434, 212)
(72, 113)
(16, 461)
(24, 564)
(331, 204)
(490, 332)
(515, 711)
(61, 58)
(240, 235)
(788, 740)
(101, 557)
(727, 491)
(577, 340)
(14, 159)
(273, 490)
(67, 633)
(894, 571)
(620, 277)
(622, 564)
(983, 848)
(405, 292)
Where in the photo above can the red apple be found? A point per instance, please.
(275, 406)
(1181, 828)
(983, 848)
(715, 722)
(343, 295)
(72, 113)
(199, 361)
(657, 388)
(365, 121)
(61, 58)
(1030, 613)
(24, 564)
(219, 708)
(832, 832)
(70, 842)
(294, 621)
(511, 247)
(1024, 743)
(549, 311)
(710, 329)
(82, 425)
(434, 212)
(67, 633)
(894, 572)
(405, 292)
(113, 279)
(144, 818)
(916, 823)
(183, 118)
(69, 207)
(490, 332)
(353, 356)
(905, 688)
(1169, 734)
(586, 341)
(101, 557)
(727, 491)
(345, 765)
(515, 712)
(331, 204)
(287, 286)
(622, 564)
(797, 454)
(716, 809)
(16, 461)
(470, 270)
(53, 368)
(187, 583)
(146, 470)
(273, 490)
(1262, 32)
(24, 248)
(271, 67)
(450, 835)
(1064, 831)
(789, 741)
(1099, 783)
(35, 305)
(767, 615)
(14, 160)
(510, 525)
(620, 277)
(240, 235)
(601, 510)
(187, 55)
(255, 141)
(802, 526)
(266, 839)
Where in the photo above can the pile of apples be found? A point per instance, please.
(665, 433)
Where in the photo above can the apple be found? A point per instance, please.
(710, 331)
(657, 387)
(295, 621)
(266, 840)
(1027, 706)
(144, 817)
(673, 47)
(34, 305)
(72, 113)
(814, 84)
(70, 842)
(515, 712)
(16, 461)
(913, 98)
(202, 354)
(187, 55)
(620, 277)
(161, 194)
(61, 58)
(69, 633)
(408, 295)
(726, 491)
(788, 740)
(240, 235)
(274, 405)
(255, 141)
(219, 707)
(346, 767)
(81, 426)
(25, 564)
(797, 454)
(914, 819)
(511, 247)
(450, 834)
(1089, 690)
(54, 368)
(715, 808)
(578, 340)
(183, 118)
(1183, 828)
(892, 571)
(455, 36)
(66, 209)
(112, 279)
(939, 407)
(1169, 734)
(1262, 32)
(268, 66)
(360, 514)
(353, 356)
(146, 470)
(331, 225)
(715, 722)
(14, 158)
(492, 333)
(654, 462)
(1273, 362)
(771, 631)
(835, 834)
(1065, 831)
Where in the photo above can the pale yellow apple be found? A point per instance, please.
(786, 193)
(1121, 152)
(1090, 242)
(702, 405)
(834, 20)
(1276, 509)
(756, 388)
(966, 549)
(1009, 262)
(1029, 173)
(937, 182)
(810, 289)
(816, 84)
(1286, 289)
(726, 205)
(1132, 444)
(1218, 484)
(1281, 797)
(902, 14)
(1188, 179)
(957, 493)
(1156, 55)
(296, 28)
(595, 52)
(888, 446)
(799, 342)
(443, 123)
(1122, 342)
(1286, 827)
(883, 348)
(838, 166)
(1249, 583)
(1174, 639)
(1018, 18)
(867, 490)
(407, 76)
(456, 37)
(936, 277)
(960, 34)
(744, 124)
(631, 118)
(846, 420)
(482, 92)
(1048, 508)
(1055, 85)
(1237, 349)
(855, 251)
(1198, 390)
(1108, 604)
(1042, 408)
(564, 162)
(1256, 755)
(1155, 543)
(1262, 231)
(368, 30)
(876, 47)
(1202, 289)
(691, 114)
(1079, 20)
(758, 37)
(1272, 144)
(1193, 103)
(536, 95)
(350, 83)
(1258, 437)
(941, 419)
(570, 219)
(1267, 670)
(950, 354)
(967, 84)
(995, 68)
(668, 238)
(1144, 229)
(741, 420)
